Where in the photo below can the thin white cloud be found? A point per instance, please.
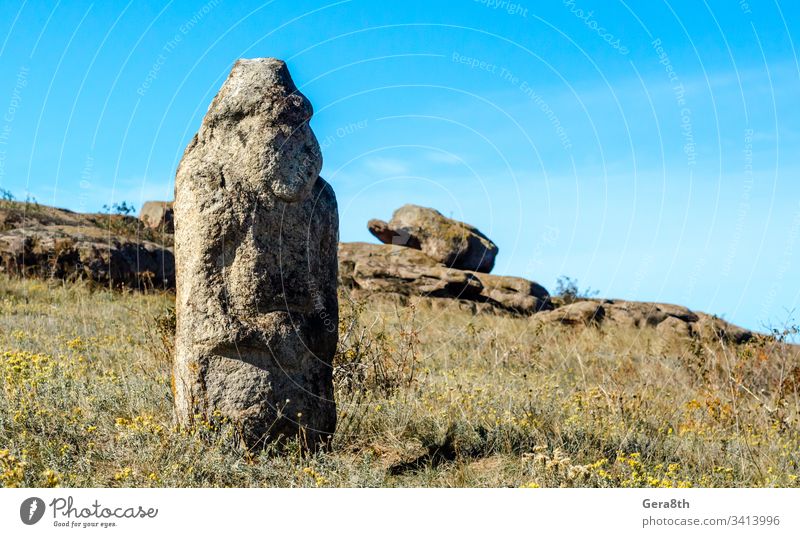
(386, 166)
(443, 157)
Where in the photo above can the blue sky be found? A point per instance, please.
(647, 149)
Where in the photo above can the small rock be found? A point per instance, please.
(582, 313)
(158, 215)
(713, 328)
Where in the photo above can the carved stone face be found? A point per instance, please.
(293, 164)
(259, 125)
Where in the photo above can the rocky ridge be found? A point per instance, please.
(108, 249)
(120, 250)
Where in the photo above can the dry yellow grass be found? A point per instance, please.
(427, 396)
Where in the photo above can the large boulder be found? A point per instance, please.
(447, 241)
(514, 294)
(395, 270)
(158, 215)
(379, 268)
(256, 255)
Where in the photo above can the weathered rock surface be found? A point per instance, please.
(667, 319)
(514, 294)
(113, 250)
(446, 241)
(384, 268)
(670, 319)
(73, 254)
(672, 327)
(397, 272)
(712, 327)
(641, 314)
(158, 215)
(576, 314)
(397, 237)
(256, 251)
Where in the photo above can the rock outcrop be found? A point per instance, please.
(667, 319)
(403, 267)
(367, 269)
(383, 268)
(712, 327)
(427, 254)
(641, 314)
(106, 249)
(158, 215)
(256, 251)
(513, 294)
(117, 250)
(576, 314)
(449, 242)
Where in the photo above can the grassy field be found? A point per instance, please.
(428, 396)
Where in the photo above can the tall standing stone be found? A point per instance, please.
(256, 234)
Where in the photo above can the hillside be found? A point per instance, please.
(107, 249)
(427, 395)
(432, 388)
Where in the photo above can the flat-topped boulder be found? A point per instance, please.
(384, 268)
(396, 270)
(514, 294)
(668, 320)
(640, 314)
(575, 314)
